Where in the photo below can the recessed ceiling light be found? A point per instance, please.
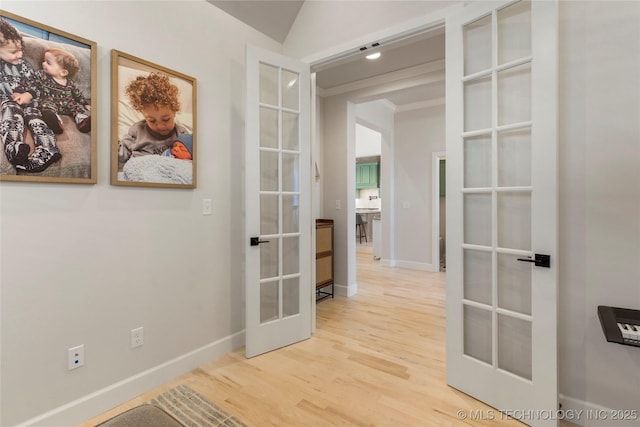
(373, 56)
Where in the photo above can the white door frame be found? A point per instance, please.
(313, 193)
(435, 203)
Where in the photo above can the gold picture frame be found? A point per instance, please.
(153, 124)
(62, 142)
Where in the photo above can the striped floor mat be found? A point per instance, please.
(194, 410)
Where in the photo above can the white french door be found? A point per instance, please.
(278, 196)
(501, 72)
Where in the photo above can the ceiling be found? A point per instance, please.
(274, 18)
(396, 57)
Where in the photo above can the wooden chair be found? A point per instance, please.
(361, 228)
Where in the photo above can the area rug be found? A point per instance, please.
(142, 416)
(192, 409)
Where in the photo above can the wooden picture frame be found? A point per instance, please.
(153, 124)
(69, 154)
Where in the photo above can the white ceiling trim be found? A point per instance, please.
(419, 105)
(347, 55)
(430, 72)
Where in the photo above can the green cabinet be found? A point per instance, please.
(367, 175)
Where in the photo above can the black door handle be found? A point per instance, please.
(255, 241)
(540, 260)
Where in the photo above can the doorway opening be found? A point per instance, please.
(368, 201)
(407, 92)
(439, 198)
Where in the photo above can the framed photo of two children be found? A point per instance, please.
(153, 124)
(48, 90)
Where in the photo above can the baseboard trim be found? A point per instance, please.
(590, 414)
(346, 291)
(98, 402)
(412, 265)
(385, 262)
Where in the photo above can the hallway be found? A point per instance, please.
(376, 359)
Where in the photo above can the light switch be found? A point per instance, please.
(206, 206)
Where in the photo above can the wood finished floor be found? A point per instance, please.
(376, 359)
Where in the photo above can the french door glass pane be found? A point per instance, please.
(477, 219)
(514, 158)
(268, 84)
(268, 171)
(477, 333)
(477, 46)
(477, 104)
(477, 276)
(514, 346)
(514, 95)
(269, 211)
(290, 219)
(514, 32)
(290, 255)
(514, 220)
(290, 134)
(497, 188)
(291, 296)
(477, 161)
(268, 127)
(290, 172)
(290, 90)
(283, 106)
(269, 259)
(269, 301)
(514, 284)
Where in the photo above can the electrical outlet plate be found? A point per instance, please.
(137, 337)
(75, 358)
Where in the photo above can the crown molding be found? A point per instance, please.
(419, 105)
(418, 73)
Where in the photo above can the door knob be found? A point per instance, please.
(255, 241)
(540, 260)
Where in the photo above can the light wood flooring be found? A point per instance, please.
(376, 359)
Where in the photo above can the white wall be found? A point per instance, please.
(599, 198)
(368, 142)
(335, 171)
(84, 264)
(419, 133)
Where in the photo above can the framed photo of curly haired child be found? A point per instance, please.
(48, 88)
(153, 124)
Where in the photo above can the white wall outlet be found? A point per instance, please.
(75, 358)
(206, 206)
(137, 337)
(338, 204)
